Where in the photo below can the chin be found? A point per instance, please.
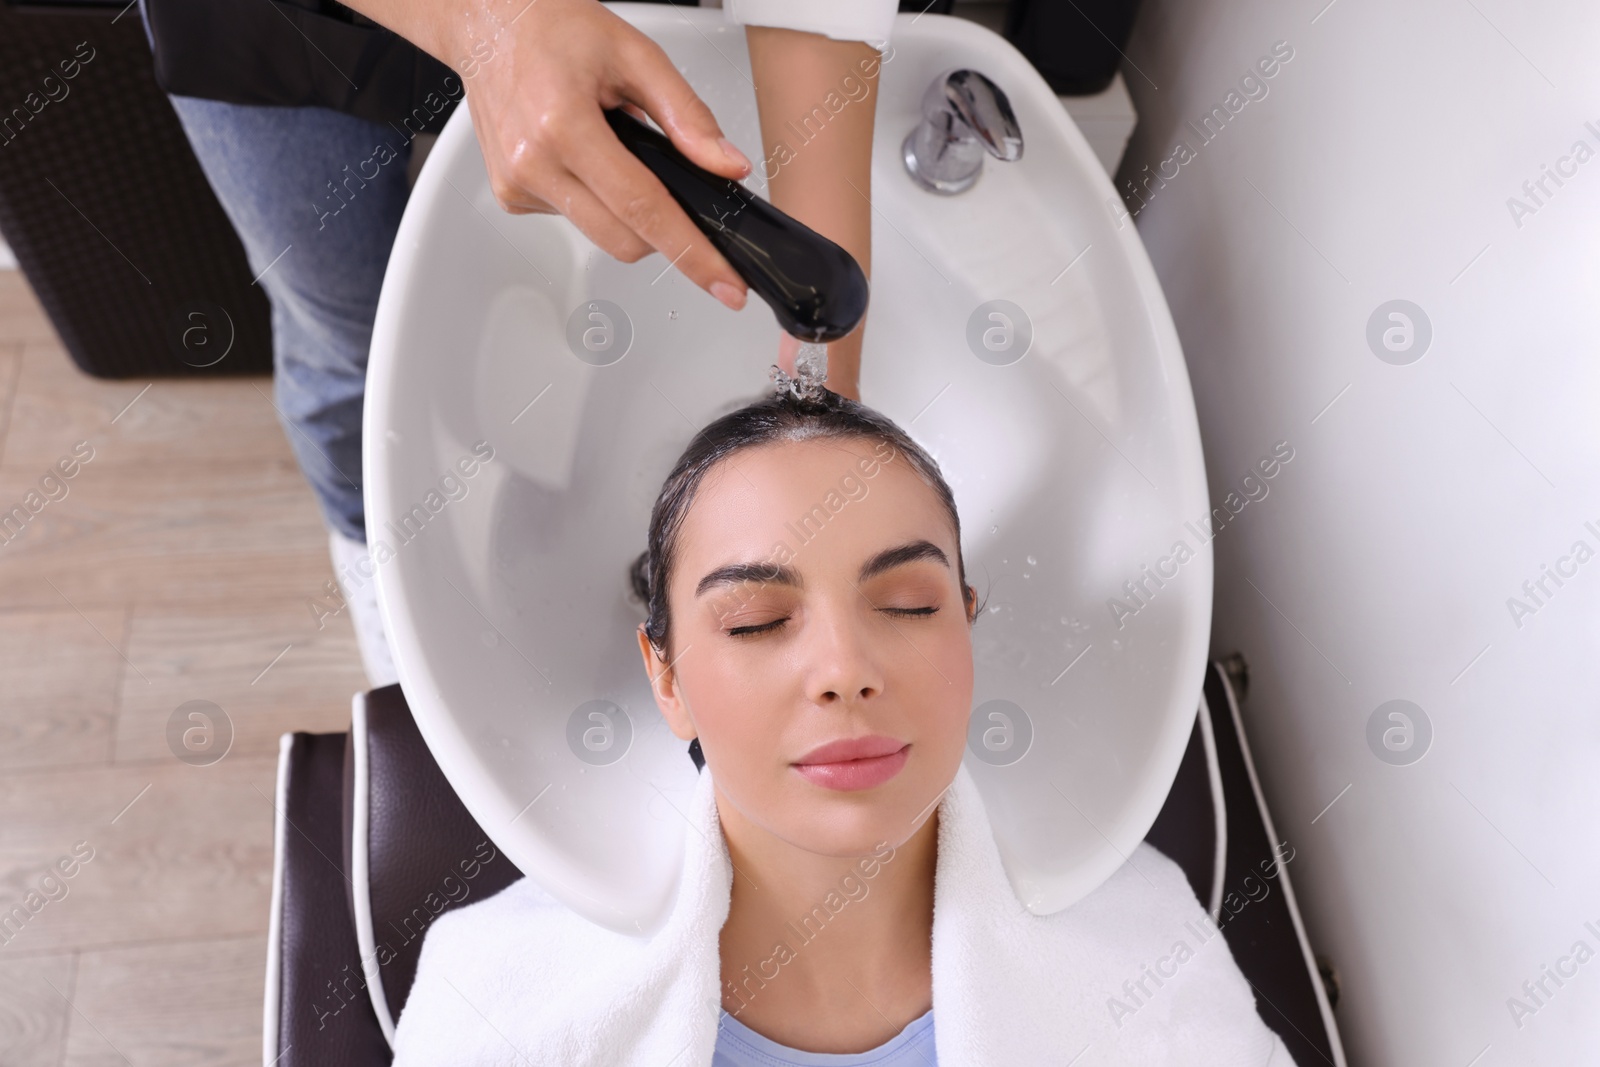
(839, 823)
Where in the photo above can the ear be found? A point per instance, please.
(664, 687)
(972, 604)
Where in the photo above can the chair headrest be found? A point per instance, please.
(414, 851)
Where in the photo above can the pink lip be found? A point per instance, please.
(854, 763)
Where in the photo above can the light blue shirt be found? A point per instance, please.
(740, 1046)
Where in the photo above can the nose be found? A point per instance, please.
(841, 667)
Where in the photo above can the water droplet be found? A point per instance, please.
(994, 529)
(671, 315)
(392, 437)
(1032, 562)
(993, 608)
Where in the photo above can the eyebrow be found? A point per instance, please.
(780, 574)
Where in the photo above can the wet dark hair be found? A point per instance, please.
(767, 421)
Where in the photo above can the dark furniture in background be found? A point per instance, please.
(107, 209)
(1076, 44)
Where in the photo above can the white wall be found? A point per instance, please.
(1379, 566)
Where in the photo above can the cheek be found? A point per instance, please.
(942, 697)
(737, 711)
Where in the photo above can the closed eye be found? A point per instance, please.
(768, 627)
(750, 631)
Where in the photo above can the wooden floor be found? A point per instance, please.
(178, 566)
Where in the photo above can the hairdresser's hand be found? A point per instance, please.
(538, 75)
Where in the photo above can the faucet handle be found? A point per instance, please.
(964, 115)
(981, 105)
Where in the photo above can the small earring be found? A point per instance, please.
(696, 755)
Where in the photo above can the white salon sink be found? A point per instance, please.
(1074, 468)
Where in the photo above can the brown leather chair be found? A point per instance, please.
(373, 844)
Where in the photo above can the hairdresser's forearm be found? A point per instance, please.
(817, 99)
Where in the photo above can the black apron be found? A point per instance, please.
(298, 53)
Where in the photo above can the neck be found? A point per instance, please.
(827, 953)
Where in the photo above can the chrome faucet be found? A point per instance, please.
(964, 114)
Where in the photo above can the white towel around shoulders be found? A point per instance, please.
(1134, 974)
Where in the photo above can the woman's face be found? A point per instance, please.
(815, 604)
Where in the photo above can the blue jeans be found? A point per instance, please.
(316, 199)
